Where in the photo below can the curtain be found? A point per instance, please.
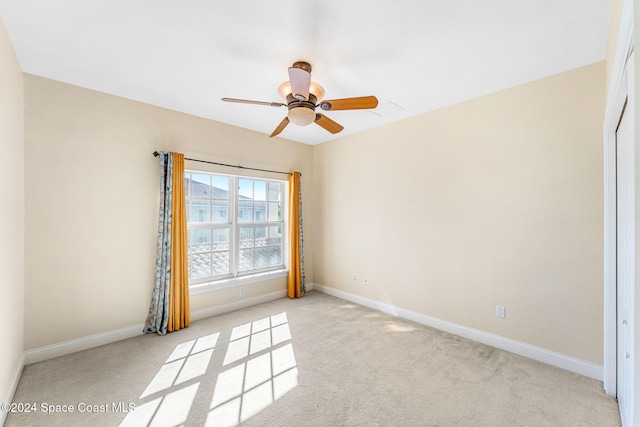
(179, 314)
(169, 309)
(296, 286)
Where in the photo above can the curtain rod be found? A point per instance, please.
(156, 154)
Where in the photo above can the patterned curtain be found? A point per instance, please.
(296, 281)
(169, 309)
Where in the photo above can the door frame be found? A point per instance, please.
(621, 89)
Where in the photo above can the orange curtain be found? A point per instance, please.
(179, 314)
(296, 279)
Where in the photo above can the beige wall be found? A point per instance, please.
(11, 214)
(92, 204)
(495, 201)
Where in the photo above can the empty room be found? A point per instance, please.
(318, 214)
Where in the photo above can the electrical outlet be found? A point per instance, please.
(366, 281)
(241, 292)
(500, 311)
(353, 277)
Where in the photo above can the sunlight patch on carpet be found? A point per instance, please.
(267, 370)
(187, 361)
(260, 368)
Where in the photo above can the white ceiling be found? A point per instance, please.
(417, 54)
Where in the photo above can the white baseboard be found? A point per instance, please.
(549, 357)
(62, 349)
(15, 379)
(237, 305)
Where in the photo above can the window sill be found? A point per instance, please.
(217, 285)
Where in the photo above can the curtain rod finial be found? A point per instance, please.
(156, 154)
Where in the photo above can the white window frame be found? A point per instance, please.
(235, 276)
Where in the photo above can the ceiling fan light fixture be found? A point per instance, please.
(284, 89)
(314, 88)
(301, 116)
(317, 90)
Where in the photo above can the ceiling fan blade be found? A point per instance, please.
(246, 101)
(300, 80)
(328, 124)
(283, 124)
(360, 103)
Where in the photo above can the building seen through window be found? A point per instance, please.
(235, 225)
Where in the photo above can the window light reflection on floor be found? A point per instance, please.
(188, 360)
(259, 368)
(247, 388)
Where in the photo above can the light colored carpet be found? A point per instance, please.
(316, 361)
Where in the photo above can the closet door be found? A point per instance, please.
(625, 201)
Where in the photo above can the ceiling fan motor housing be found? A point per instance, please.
(303, 65)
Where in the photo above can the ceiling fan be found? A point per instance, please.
(303, 96)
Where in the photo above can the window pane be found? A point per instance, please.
(246, 237)
(260, 211)
(275, 255)
(221, 239)
(275, 189)
(274, 212)
(245, 188)
(200, 240)
(220, 187)
(245, 212)
(261, 236)
(246, 259)
(275, 235)
(220, 263)
(259, 190)
(262, 258)
(200, 265)
(200, 210)
(213, 229)
(200, 185)
(220, 211)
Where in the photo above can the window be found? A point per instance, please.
(235, 225)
